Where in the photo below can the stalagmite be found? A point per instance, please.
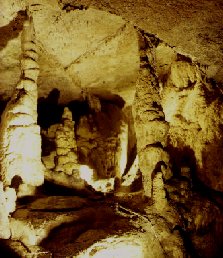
(20, 143)
(62, 166)
(150, 125)
(159, 194)
(66, 147)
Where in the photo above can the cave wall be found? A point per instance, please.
(119, 45)
(192, 28)
(99, 137)
(193, 108)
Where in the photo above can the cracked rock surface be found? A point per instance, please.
(84, 48)
(105, 40)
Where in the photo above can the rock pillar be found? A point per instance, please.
(150, 125)
(66, 147)
(20, 143)
(122, 150)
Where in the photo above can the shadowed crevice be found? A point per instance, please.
(12, 30)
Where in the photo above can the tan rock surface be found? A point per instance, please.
(86, 228)
(194, 111)
(20, 147)
(149, 121)
(193, 27)
(4, 220)
(106, 52)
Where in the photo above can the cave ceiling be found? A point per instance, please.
(94, 44)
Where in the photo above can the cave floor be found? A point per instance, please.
(58, 222)
(64, 226)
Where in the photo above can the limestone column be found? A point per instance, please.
(150, 125)
(122, 150)
(20, 143)
(66, 146)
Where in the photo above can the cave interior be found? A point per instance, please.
(111, 139)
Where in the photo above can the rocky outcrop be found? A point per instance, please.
(20, 147)
(193, 109)
(150, 125)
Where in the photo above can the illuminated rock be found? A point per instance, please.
(127, 246)
(66, 147)
(73, 181)
(132, 175)
(10, 196)
(62, 164)
(98, 144)
(122, 150)
(193, 109)
(159, 194)
(150, 125)
(4, 220)
(20, 147)
(49, 161)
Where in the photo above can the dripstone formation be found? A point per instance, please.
(111, 137)
(150, 125)
(20, 147)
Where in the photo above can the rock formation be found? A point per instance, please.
(62, 163)
(150, 125)
(102, 143)
(4, 220)
(97, 152)
(20, 147)
(159, 193)
(121, 156)
(66, 148)
(193, 108)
